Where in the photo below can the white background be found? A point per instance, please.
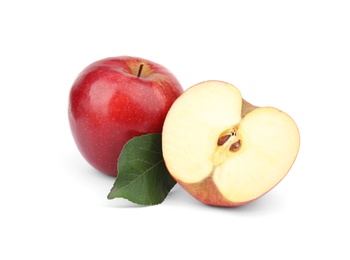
(293, 55)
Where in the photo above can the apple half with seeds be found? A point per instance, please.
(223, 150)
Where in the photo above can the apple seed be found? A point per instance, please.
(235, 146)
(223, 139)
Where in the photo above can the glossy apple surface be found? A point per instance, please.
(115, 99)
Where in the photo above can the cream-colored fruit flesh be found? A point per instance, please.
(270, 143)
(193, 125)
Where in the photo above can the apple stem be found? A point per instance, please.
(140, 70)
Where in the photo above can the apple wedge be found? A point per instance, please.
(223, 150)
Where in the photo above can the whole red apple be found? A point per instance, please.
(115, 99)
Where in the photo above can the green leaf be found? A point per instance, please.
(142, 176)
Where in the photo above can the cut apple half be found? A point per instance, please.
(223, 150)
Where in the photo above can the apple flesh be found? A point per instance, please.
(223, 150)
(115, 99)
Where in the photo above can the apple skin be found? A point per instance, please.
(207, 193)
(112, 100)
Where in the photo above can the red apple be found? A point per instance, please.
(115, 99)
